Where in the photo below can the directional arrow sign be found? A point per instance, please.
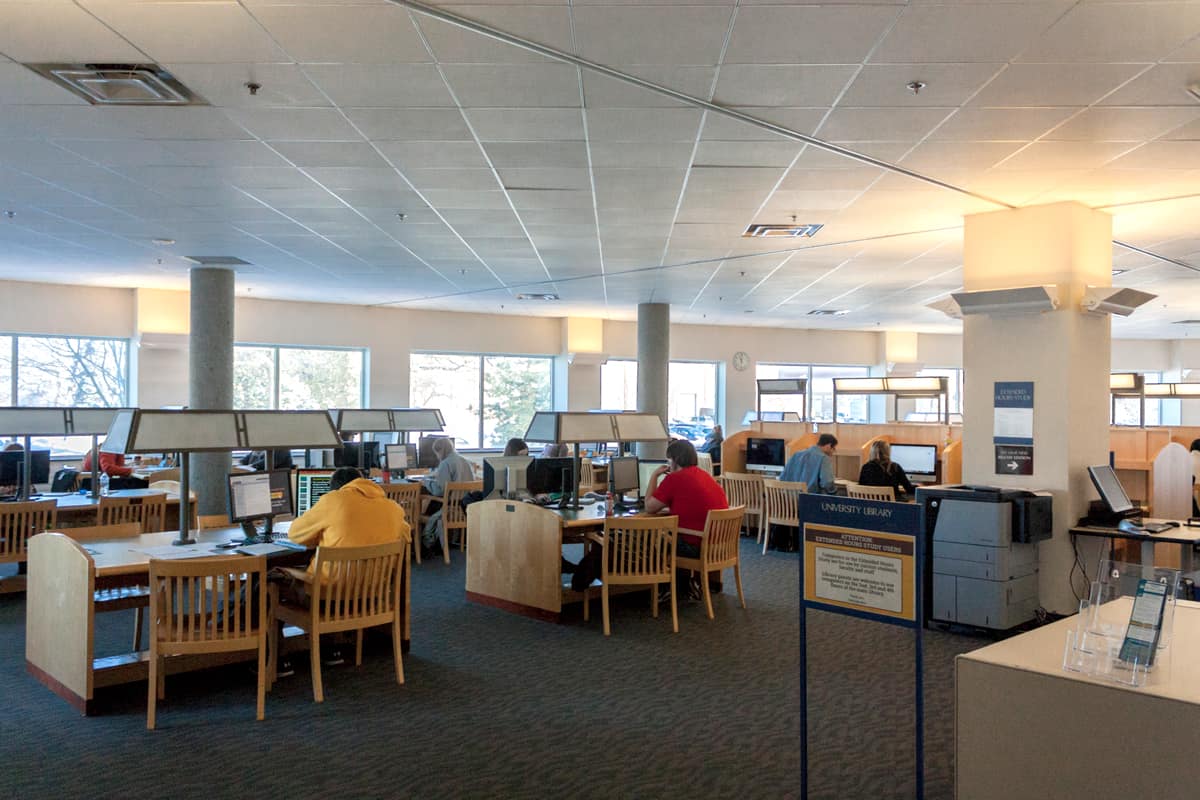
(1014, 459)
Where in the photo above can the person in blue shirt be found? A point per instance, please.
(814, 466)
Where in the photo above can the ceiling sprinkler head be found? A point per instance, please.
(915, 86)
(401, 216)
(253, 87)
(10, 214)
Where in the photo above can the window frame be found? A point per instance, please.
(717, 406)
(15, 365)
(808, 395)
(481, 358)
(363, 389)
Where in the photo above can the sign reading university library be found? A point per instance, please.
(860, 555)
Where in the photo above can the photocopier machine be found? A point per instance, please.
(983, 541)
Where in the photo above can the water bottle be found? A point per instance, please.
(608, 504)
(104, 484)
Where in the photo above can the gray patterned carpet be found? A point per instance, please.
(496, 705)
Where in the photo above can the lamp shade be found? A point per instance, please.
(387, 420)
(61, 421)
(161, 430)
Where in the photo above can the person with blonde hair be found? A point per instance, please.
(882, 471)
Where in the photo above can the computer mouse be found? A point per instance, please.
(1129, 526)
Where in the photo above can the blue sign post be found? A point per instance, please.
(865, 559)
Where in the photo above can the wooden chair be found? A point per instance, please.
(782, 506)
(587, 477)
(158, 476)
(718, 550)
(19, 521)
(637, 551)
(860, 492)
(117, 598)
(359, 589)
(454, 516)
(744, 489)
(408, 497)
(208, 522)
(150, 511)
(205, 605)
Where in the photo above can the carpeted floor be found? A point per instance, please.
(497, 705)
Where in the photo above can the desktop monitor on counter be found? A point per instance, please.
(311, 484)
(12, 465)
(765, 455)
(550, 475)
(259, 496)
(426, 458)
(505, 476)
(400, 456)
(364, 455)
(646, 467)
(623, 475)
(919, 461)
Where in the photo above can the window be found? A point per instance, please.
(64, 371)
(927, 407)
(851, 408)
(1159, 411)
(691, 394)
(485, 399)
(292, 378)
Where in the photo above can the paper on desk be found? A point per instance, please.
(264, 549)
(171, 551)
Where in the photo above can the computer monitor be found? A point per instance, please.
(623, 477)
(401, 456)
(646, 467)
(12, 464)
(349, 453)
(918, 460)
(546, 475)
(426, 458)
(1110, 489)
(311, 484)
(766, 455)
(505, 476)
(259, 495)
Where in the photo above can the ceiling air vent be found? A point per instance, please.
(537, 296)
(1187, 322)
(788, 231)
(827, 312)
(119, 84)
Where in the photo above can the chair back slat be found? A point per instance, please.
(783, 501)
(19, 521)
(149, 511)
(743, 489)
(406, 495)
(722, 529)
(860, 492)
(453, 513)
(205, 600)
(360, 582)
(638, 549)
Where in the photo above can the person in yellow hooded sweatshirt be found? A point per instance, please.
(353, 513)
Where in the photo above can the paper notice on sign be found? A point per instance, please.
(1013, 423)
(859, 579)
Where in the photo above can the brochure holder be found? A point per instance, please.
(1098, 642)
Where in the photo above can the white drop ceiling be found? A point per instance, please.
(520, 173)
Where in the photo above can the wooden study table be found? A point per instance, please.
(515, 552)
(1027, 728)
(1183, 537)
(60, 609)
(76, 510)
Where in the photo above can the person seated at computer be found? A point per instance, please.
(353, 513)
(814, 466)
(882, 471)
(451, 468)
(10, 488)
(257, 459)
(111, 464)
(516, 447)
(555, 451)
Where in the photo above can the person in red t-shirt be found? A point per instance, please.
(112, 464)
(688, 492)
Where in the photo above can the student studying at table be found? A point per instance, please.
(882, 471)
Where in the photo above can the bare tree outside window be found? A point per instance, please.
(450, 383)
(291, 378)
(253, 377)
(6, 343)
(71, 371)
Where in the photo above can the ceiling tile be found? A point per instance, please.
(530, 178)
(60, 32)
(1054, 84)
(417, 155)
(466, 179)
(1163, 85)
(381, 85)
(20, 86)
(1162, 155)
(330, 154)
(542, 24)
(410, 124)
(782, 84)
(725, 128)
(880, 124)
(944, 84)
(602, 91)
(526, 124)
(643, 124)
(1124, 124)
(190, 33)
(808, 34)
(1001, 124)
(505, 155)
(225, 84)
(380, 34)
(750, 154)
(1110, 32)
(651, 34)
(514, 85)
(1065, 155)
(995, 32)
(295, 124)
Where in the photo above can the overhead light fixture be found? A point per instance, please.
(1128, 381)
(787, 231)
(1186, 322)
(1117, 272)
(947, 306)
(828, 312)
(119, 84)
(538, 296)
(1111, 300)
(163, 242)
(218, 261)
(1021, 300)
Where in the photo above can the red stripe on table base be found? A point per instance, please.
(515, 608)
(80, 704)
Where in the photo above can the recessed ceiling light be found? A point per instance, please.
(1117, 272)
(537, 296)
(163, 242)
(828, 312)
(792, 230)
(119, 84)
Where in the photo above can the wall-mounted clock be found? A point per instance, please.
(741, 361)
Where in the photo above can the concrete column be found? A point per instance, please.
(210, 375)
(1066, 353)
(654, 361)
